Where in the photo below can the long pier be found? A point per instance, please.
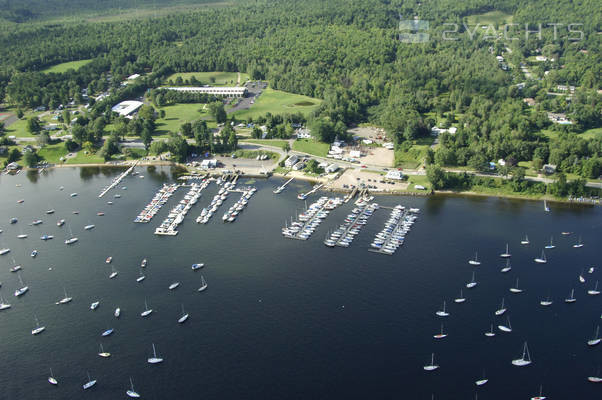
(303, 196)
(316, 212)
(177, 214)
(349, 233)
(118, 180)
(156, 203)
(393, 238)
(279, 189)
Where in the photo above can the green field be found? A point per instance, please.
(81, 158)
(177, 114)
(252, 154)
(52, 153)
(221, 78)
(490, 18)
(279, 102)
(60, 68)
(592, 133)
(311, 147)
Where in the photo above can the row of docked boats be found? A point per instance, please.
(392, 236)
(310, 219)
(346, 232)
(159, 199)
(216, 202)
(177, 214)
(232, 213)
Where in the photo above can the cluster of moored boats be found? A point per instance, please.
(310, 219)
(346, 232)
(153, 207)
(232, 213)
(216, 202)
(177, 214)
(388, 240)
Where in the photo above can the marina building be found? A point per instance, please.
(225, 91)
(127, 108)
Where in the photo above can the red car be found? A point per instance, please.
(363, 166)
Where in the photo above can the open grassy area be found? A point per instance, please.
(490, 18)
(592, 133)
(279, 102)
(267, 142)
(418, 180)
(311, 147)
(81, 158)
(221, 78)
(415, 156)
(52, 153)
(177, 114)
(252, 154)
(63, 67)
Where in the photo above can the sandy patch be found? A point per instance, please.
(357, 176)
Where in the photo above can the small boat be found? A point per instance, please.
(472, 282)
(515, 289)
(581, 278)
(551, 245)
(475, 261)
(51, 379)
(22, 236)
(38, 329)
(143, 263)
(65, 299)
(4, 251)
(482, 381)
(507, 267)
(565, 233)
(571, 298)
(506, 328)
(114, 273)
(71, 240)
(197, 266)
(525, 241)
(20, 201)
(60, 222)
(541, 396)
(203, 284)
(109, 202)
(541, 259)
(460, 299)
(502, 309)
(73, 194)
(76, 212)
(547, 302)
(525, 359)
(545, 206)
(141, 277)
(154, 359)
(147, 311)
(184, 316)
(174, 285)
(21, 290)
(89, 227)
(103, 353)
(13, 220)
(16, 267)
(596, 338)
(440, 335)
(108, 260)
(131, 392)
(46, 237)
(3, 305)
(594, 291)
(91, 382)
(591, 270)
(51, 211)
(579, 244)
(36, 222)
(117, 196)
(442, 313)
(595, 378)
(117, 312)
(490, 333)
(100, 213)
(94, 305)
(108, 332)
(431, 366)
(506, 254)
(34, 253)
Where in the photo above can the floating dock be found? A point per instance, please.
(308, 221)
(303, 196)
(232, 213)
(279, 189)
(177, 214)
(153, 207)
(344, 235)
(388, 240)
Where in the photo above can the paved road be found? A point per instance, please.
(245, 102)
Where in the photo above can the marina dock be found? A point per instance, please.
(347, 231)
(117, 180)
(232, 213)
(279, 189)
(177, 214)
(216, 202)
(156, 203)
(303, 196)
(396, 228)
(308, 221)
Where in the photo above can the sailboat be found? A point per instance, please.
(22, 289)
(154, 359)
(594, 291)
(60, 222)
(184, 316)
(146, 311)
(460, 299)
(51, 379)
(143, 263)
(596, 338)
(15, 266)
(65, 299)
(515, 289)
(542, 259)
(571, 298)
(117, 312)
(507, 267)
(525, 241)
(545, 206)
(91, 382)
(431, 366)
(442, 313)
(38, 329)
(89, 227)
(131, 392)
(551, 245)
(578, 245)
(174, 285)
(502, 309)
(506, 328)
(94, 305)
(595, 378)
(203, 284)
(546, 302)
(490, 333)
(482, 381)
(525, 359)
(472, 282)
(476, 260)
(114, 273)
(506, 254)
(197, 266)
(103, 353)
(3, 305)
(108, 332)
(591, 270)
(141, 277)
(440, 335)
(581, 278)
(541, 396)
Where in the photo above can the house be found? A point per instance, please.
(530, 101)
(292, 160)
(298, 166)
(332, 168)
(549, 169)
(209, 164)
(389, 146)
(394, 174)
(559, 118)
(335, 150)
(303, 133)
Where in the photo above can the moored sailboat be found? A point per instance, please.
(525, 359)
(432, 366)
(154, 359)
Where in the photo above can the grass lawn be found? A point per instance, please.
(415, 156)
(592, 133)
(252, 154)
(279, 102)
(491, 17)
(418, 180)
(60, 68)
(177, 114)
(311, 147)
(267, 142)
(52, 153)
(221, 78)
(81, 158)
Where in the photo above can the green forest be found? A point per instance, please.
(349, 54)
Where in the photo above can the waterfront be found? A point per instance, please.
(284, 318)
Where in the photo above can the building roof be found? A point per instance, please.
(127, 107)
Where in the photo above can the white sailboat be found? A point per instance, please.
(482, 381)
(472, 282)
(440, 335)
(65, 299)
(506, 254)
(38, 329)
(506, 328)
(94, 305)
(197, 266)
(476, 260)
(541, 259)
(71, 239)
(525, 241)
(141, 277)
(460, 299)
(571, 298)
(594, 291)
(507, 268)
(547, 302)
(596, 338)
(525, 359)
(108, 332)
(184, 316)
(3, 305)
(541, 396)
(174, 285)
(545, 206)
(579, 244)
(131, 392)
(114, 273)
(117, 312)
(154, 359)
(203, 284)
(103, 353)
(551, 245)
(143, 263)
(147, 311)
(51, 379)
(432, 366)
(515, 289)
(91, 382)
(22, 289)
(595, 378)
(442, 313)
(502, 309)
(581, 277)
(490, 333)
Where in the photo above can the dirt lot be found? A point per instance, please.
(367, 132)
(350, 177)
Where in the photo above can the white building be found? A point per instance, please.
(209, 164)
(127, 108)
(332, 168)
(132, 77)
(226, 91)
(303, 133)
(355, 153)
(394, 174)
(292, 160)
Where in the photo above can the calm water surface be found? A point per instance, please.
(284, 318)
